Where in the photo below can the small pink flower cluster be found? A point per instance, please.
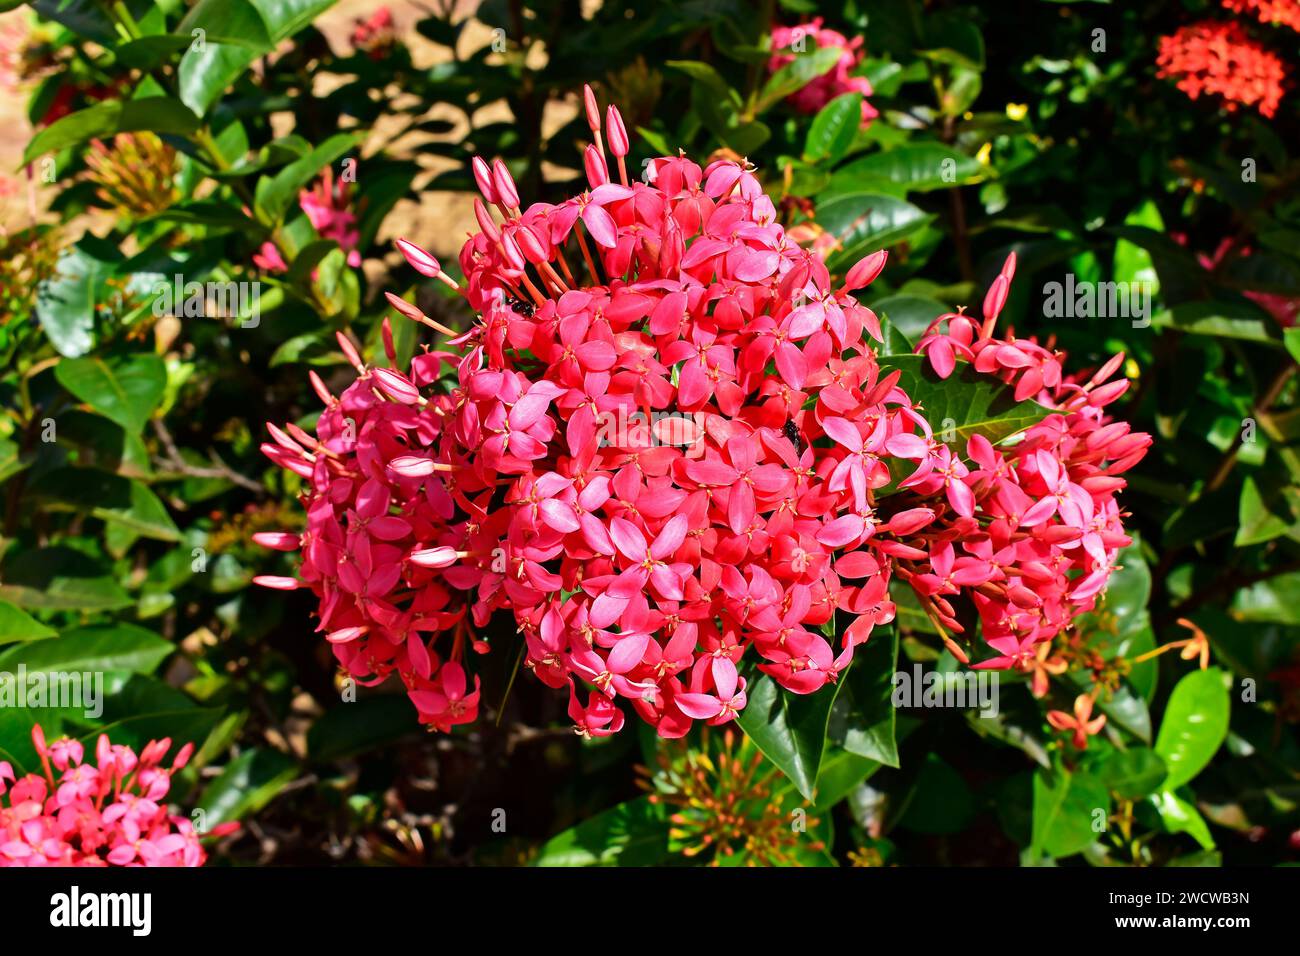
(328, 207)
(669, 440)
(110, 813)
(1033, 528)
(786, 44)
(379, 549)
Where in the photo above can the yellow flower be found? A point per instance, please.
(1017, 111)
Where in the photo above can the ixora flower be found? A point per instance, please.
(1219, 59)
(668, 446)
(1284, 13)
(328, 206)
(107, 813)
(840, 78)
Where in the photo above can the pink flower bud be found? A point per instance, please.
(507, 194)
(996, 297)
(865, 271)
(277, 540)
(420, 260)
(617, 132)
(485, 223)
(412, 466)
(396, 386)
(483, 176)
(530, 245)
(434, 557)
(593, 110)
(594, 163)
(277, 582)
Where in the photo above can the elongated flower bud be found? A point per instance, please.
(507, 194)
(865, 271)
(420, 260)
(483, 177)
(617, 132)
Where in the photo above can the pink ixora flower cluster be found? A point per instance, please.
(109, 813)
(328, 206)
(789, 42)
(668, 445)
(1033, 528)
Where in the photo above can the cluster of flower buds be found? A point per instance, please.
(109, 813)
(669, 445)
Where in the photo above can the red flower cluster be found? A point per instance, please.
(787, 42)
(1219, 59)
(1035, 528)
(1284, 13)
(109, 813)
(668, 441)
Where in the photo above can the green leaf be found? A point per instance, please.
(1179, 816)
(965, 403)
(60, 578)
(789, 728)
(939, 801)
(630, 834)
(863, 720)
(275, 193)
(101, 647)
(233, 22)
(125, 389)
(1276, 600)
(1228, 320)
(1133, 773)
(1132, 263)
(1257, 522)
(110, 497)
(356, 727)
(834, 128)
(18, 625)
(867, 221)
(1194, 725)
(1065, 808)
(160, 114)
(65, 302)
(917, 167)
(246, 785)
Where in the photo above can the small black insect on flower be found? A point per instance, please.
(792, 433)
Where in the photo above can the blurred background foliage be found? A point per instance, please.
(131, 478)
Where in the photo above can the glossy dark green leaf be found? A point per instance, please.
(125, 389)
(863, 718)
(865, 221)
(101, 647)
(797, 74)
(246, 785)
(66, 301)
(789, 728)
(918, 167)
(109, 497)
(1194, 725)
(159, 114)
(59, 578)
(17, 625)
(965, 403)
(1067, 807)
(630, 834)
(354, 727)
(1133, 773)
(833, 129)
